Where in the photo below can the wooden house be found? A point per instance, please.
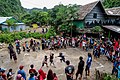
(93, 14)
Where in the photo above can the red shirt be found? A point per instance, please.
(55, 78)
(4, 76)
(32, 71)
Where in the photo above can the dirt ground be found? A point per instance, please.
(36, 58)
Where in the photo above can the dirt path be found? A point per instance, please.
(36, 58)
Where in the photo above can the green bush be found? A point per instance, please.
(97, 29)
(51, 32)
(22, 34)
(11, 37)
(109, 77)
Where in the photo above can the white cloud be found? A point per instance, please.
(51, 3)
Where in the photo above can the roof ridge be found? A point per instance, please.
(91, 2)
(112, 8)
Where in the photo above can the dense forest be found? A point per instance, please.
(10, 8)
(111, 3)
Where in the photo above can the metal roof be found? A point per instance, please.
(113, 28)
(113, 11)
(3, 19)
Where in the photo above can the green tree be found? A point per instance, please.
(61, 16)
(11, 23)
(111, 3)
(36, 16)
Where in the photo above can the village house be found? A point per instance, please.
(4, 26)
(94, 14)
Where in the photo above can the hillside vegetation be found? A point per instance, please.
(111, 3)
(10, 8)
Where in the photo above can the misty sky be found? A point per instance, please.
(51, 3)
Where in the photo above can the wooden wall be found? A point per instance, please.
(100, 15)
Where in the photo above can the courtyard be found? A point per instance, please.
(36, 58)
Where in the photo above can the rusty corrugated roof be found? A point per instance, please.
(113, 11)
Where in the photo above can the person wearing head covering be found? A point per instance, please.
(22, 72)
(50, 75)
(42, 75)
(80, 68)
(4, 76)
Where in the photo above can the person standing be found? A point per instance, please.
(88, 64)
(80, 68)
(12, 53)
(23, 45)
(43, 44)
(32, 77)
(50, 75)
(4, 76)
(10, 75)
(118, 74)
(69, 70)
(1, 75)
(32, 70)
(19, 77)
(22, 72)
(10, 47)
(55, 77)
(42, 74)
(31, 43)
(18, 50)
(27, 47)
(51, 59)
(83, 44)
(45, 61)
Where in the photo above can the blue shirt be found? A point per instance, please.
(118, 71)
(115, 63)
(31, 78)
(89, 61)
(22, 72)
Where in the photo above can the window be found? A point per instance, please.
(94, 15)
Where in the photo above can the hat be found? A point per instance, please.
(2, 69)
(21, 67)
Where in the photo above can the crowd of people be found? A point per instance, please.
(21, 74)
(102, 46)
(41, 75)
